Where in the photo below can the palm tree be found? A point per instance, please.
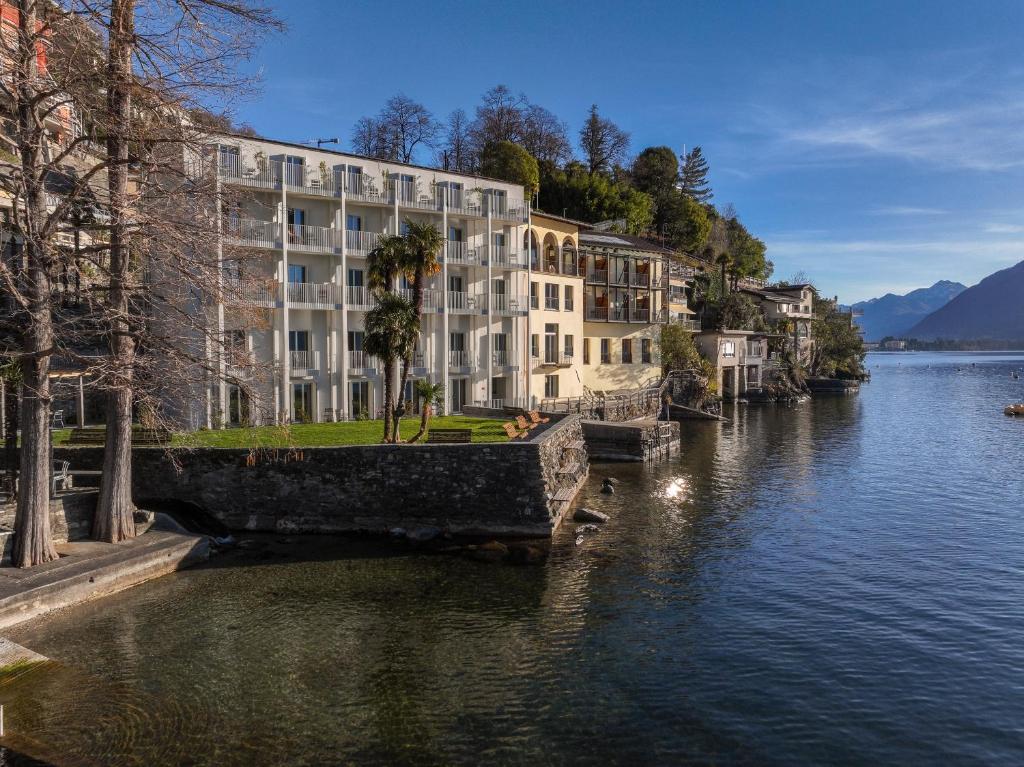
(383, 266)
(390, 332)
(423, 243)
(430, 394)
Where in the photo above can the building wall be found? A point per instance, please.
(739, 372)
(617, 374)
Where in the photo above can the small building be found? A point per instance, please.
(738, 357)
(789, 304)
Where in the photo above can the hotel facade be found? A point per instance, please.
(505, 321)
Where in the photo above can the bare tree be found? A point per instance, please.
(604, 144)
(456, 153)
(401, 127)
(545, 136)
(498, 118)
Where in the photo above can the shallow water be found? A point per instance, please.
(837, 582)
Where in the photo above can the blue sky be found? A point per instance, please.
(876, 146)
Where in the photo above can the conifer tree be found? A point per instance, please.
(693, 176)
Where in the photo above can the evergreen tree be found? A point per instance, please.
(693, 177)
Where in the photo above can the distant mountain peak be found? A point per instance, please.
(992, 309)
(894, 315)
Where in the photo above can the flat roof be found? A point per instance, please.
(616, 240)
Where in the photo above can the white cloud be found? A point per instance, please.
(907, 210)
(1004, 228)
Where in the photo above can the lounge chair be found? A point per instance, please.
(523, 424)
(512, 431)
(535, 417)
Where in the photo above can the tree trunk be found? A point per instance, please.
(33, 543)
(417, 302)
(389, 405)
(424, 420)
(114, 520)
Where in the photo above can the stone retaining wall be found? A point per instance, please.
(630, 440)
(494, 489)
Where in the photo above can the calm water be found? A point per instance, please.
(840, 582)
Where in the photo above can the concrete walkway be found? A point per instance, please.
(89, 569)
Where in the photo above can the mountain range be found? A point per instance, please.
(992, 309)
(893, 315)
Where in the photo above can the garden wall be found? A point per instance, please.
(514, 488)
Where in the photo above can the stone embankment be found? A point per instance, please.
(518, 488)
(631, 440)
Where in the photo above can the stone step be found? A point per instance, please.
(572, 468)
(578, 444)
(564, 495)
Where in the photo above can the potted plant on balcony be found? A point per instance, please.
(325, 176)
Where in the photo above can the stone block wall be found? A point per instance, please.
(492, 489)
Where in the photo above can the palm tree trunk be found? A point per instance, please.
(389, 405)
(114, 520)
(417, 302)
(424, 420)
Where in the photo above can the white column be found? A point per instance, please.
(445, 375)
(489, 339)
(222, 384)
(529, 306)
(334, 318)
(81, 401)
(286, 362)
(344, 293)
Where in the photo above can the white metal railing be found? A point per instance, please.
(755, 350)
(460, 359)
(501, 256)
(304, 360)
(431, 297)
(250, 232)
(565, 360)
(409, 196)
(360, 186)
(317, 181)
(640, 280)
(360, 360)
(463, 302)
(256, 171)
(243, 292)
(685, 322)
(500, 357)
(359, 298)
(508, 305)
(360, 242)
(460, 253)
(508, 210)
(320, 239)
(313, 293)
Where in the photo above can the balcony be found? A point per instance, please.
(685, 322)
(304, 361)
(251, 233)
(411, 197)
(597, 313)
(508, 210)
(313, 295)
(500, 256)
(500, 358)
(431, 298)
(460, 362)
(565, 360)
(313, 182)
(599, 276)
(250, 293)
(359, 298)
(460, 253)
(257, 174)
(755, 351)
(362, 364)
(358, 243)
(312, 239)
(642, 314)
(465, 303)
(640, 280)
(366, 188)
(504, 305)
(620, 278)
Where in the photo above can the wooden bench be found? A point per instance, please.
(464, 436)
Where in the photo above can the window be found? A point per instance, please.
(500, 349)
(645, 350)
(568, 298)
(606, 351)
(551, 344)
(359, 399)
(567, 344)
(454, 234)
(586, 351)
(454, 283)
(728, 348)
(354, 223)
(535, 346)
(293, 168)
(302, 403)
(551, 296)
(627, 351)
(296, 273)
(551, 386)
(355, 278)
(298, 340)
(403, 228)
(355, 340)
(296, 217)
(534, 301)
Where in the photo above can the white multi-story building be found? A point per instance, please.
(317, 214)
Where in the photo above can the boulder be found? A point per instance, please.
(423, 534)
(588, 528)
(589, 515)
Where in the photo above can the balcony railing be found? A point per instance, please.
(502, 257)
(360, 186)
(304, 360)
(315, 239)
(460, 359)
(565, 360)
(685, 322)
(507, 305)
(500, 358)
(299, 178)
(359, 242)
(620, 278)
(598, 275)
(508, 210)
(598, 313)
(640, 315)
(252, 233)
(464, 303)
(359, 298)
(263, 174)
(323, 295)
(361, 363)
(640, 280)
(411, 197)
(248, 292)
(431, 298)
(460, 253)
(755, 350)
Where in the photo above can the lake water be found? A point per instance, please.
(837, 582)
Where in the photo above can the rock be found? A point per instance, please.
(525, 554)
(586, 529)
(425, 533)
(589, 515)
(492, 551)
(580, 539)
(610, 481)
(607, 489)
(397, 532)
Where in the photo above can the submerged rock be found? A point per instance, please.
(492, 551)
(607, 489)
(525, 554)
(425, 533)
(589, 515)
(585, 529)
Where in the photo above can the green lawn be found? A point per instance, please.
(327, 434)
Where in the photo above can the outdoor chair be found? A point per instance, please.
(512, 431)
(60, 476)
(57, 419)
(536, 418)
(523, 424)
